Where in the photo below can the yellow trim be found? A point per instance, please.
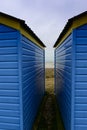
(76, 23)
(10, 22)
(79, 21)
(64, 37)
(26, 34)
(14, 23)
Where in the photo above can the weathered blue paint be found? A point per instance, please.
(22, 80)
(71, 79)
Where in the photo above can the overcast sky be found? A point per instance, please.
(46, 18)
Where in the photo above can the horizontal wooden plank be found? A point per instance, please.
(80, 93)
(81, 100)
(81, 114)
(8, 36)
(9, 93)
(9, 99)
(80, 127)
(81, 63)
(9, 79)
(81, 107)
(81, 48)
(14, 120)
(6, 106)
(9, 58)
(81, 121)
(9, 113)
(81, 78)
(9, 126)
(82, 33)
(81, 56)
(8, 43)
(81, 85)
(81, 71)
(9, 86)
(81, 41)
(10, 50)
(8, 72)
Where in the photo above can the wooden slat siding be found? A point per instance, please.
(33, 80)
(81, 79)
(63, 62)
(9, 80)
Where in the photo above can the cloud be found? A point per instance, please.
(10, 6)
(46, 18)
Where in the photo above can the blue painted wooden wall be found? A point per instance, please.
(9, 79)
(81, 79)
(71, 79)
(33, 80)
(21, 80)
(63, 79)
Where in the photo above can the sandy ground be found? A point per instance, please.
(50, 80)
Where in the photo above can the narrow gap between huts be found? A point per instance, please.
(49, 117)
